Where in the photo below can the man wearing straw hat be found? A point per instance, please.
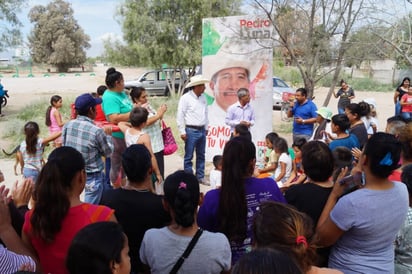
(192, 121)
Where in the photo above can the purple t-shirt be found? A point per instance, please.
(257, 190)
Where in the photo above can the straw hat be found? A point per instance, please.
(196, 81)
(325, 112)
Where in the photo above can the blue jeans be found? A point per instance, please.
(300, 136)
(406, 115)
(341, 110)
(31, 173)
(398, 108)
(195, 140)
(94, 188)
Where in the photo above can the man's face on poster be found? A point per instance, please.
(225, 84)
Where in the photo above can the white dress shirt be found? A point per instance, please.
(192, 110)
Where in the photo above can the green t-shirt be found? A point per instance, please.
(116, 103)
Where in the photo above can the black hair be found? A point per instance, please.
(282, 145)
(317, 161)
(299, 142)
(51, 194)
(355, 109)
(95, 247)
(406, 177)
(365, 108)
(243, 131)
(138, 116)
(182, 195)
(31, 131)
(303, 91)
(101, 89)
(404, 79)
(266, 261)
(405, 137)
(112, 76)
(135, 93)
(54, 99)
(272, 137)
(383, 151)
(342, 157)
(242, 92)
(136, 162)
(238, 164)
(342, 121)
(217, 160)
(342, 81)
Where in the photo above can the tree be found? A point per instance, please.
(10, 34)
(166, 32)
(308, 29)
(57, 39)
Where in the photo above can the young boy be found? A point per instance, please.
(215, 176)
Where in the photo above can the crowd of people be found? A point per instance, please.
(336, 200)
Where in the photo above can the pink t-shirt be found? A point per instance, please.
(407, 98)
(52, 256)
(54, 126)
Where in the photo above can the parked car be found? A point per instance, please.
(155, 81)
(279, 87)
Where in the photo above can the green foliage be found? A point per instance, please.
(10, 34)
(57, 39)
(289, 74)
(364, 84)
(163, 31)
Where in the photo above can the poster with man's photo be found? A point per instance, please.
(237, 53)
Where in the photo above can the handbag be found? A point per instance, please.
(186, 254)
(168, 140)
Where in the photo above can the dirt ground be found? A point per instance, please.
(24, 90)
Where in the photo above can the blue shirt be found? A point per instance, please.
(307, 110)
(350, 142)
(236, 113)
(2, 93)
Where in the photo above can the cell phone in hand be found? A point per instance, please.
(352, 182)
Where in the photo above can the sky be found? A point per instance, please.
(95, 17)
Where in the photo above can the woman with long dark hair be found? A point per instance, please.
(230, 209)
(58, 213)
(399, 92)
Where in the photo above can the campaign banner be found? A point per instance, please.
(237, 53)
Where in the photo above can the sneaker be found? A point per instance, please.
(204, 182)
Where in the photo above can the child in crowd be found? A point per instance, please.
(342, 157)
(32, 149)
(265, 261)
(162, 249)
(271, 162)
(216, 173)
(297, 169)
(370, 120)
(406, 105)
(100, 117)
(294, 234)
(284, 167)
(91, 251)
(54, 118)
(340, 125)
(133, 134)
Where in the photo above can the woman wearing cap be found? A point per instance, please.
(116, 106)
(345, 94)
(323, 125)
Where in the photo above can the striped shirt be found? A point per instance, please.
(155, 132)
(90, 140)
(32, 161)
(11, 262)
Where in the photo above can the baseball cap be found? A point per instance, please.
(86, 101)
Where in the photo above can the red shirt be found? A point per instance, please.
(100, 117)
(52, 256)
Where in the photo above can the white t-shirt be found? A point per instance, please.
(283, 158)
(215, 178)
